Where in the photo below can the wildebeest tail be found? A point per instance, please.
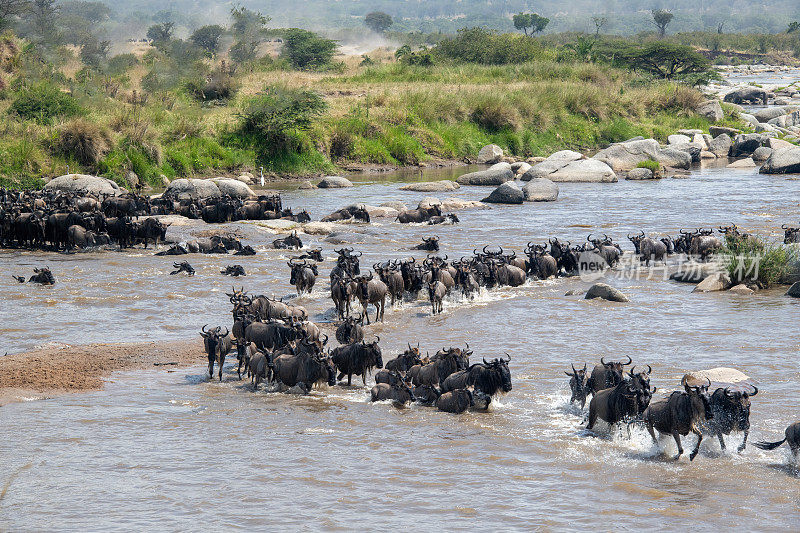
(768, 445)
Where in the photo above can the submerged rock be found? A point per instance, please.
(334, 182)
(540, 190)
(431, 186)
(606, 292)
(486, 177)
(713, 283)
(507, 193)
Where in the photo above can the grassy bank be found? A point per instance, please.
(382, 112)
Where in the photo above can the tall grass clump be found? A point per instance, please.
(84, 141)
(755, 260)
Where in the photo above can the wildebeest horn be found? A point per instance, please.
(755, 390)
(484, 361)
(584, 367)
(325, 341)
(649, 369)
(631, 370)
(567, 373)
(629, 361)
(783, 226)
(642, 232)
(573, 367)
(484, 248)
(377, 339)
(507, 360)
(602, 362)
(203, 329)
(226, 332)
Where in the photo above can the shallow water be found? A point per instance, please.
(172, 451)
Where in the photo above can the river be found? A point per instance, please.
(171, 451)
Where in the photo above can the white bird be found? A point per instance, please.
(262, 175)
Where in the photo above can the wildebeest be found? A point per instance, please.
(183, 266)
(43, 276)
(356, 212)
(292, 241)
(614, 404)
(217, 346)
(175, 249)
(440, 367)
(578, 386)
(421, 214)
(152, 229)
(436, 293)
(314, 255)
(605, 375)
(398, 392)
(487, 377)
(259, 367)
(731, 412)
(246, 250)
(390, 377)
(792, 437)
(701, 243)
(393, 279)
(303, 276)
(357, 359)
(431, 244)
(341, 296)
(456, 401)
(233, 270)
(272, 335)
(679, 414)
(304, 370)
(372, 291)
(243, 356)
(541, 264)
(404, 361)
(426, 395)
(449, 218)
(648, 249)
(790, 234)
(350, 330)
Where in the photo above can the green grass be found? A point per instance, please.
(757, 261)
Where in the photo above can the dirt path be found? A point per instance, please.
(49, 372)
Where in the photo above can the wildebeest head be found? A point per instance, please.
(373, 352)
(497, 376)
(734, 406)
(363, 286)
(790, 234)
(614, 369)
(577, 382)
(212, 339)
(637, 240)
(699, 399)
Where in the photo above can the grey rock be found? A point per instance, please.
(491, 153)
(794, 290)
(307, 185)
(84, 184)
(742, 290)
(486, 177)
(507, 193)
(713, 283)
(192, 188)
(747, 162)
(334, 182)
(746, 143)
(783, 161)
(233, 188)
(762, 153)
(395, 204)
(716, 131)
(540, 190)
(606, 292)
(431, 186)
(670, 157)
(551, 164)
(625, 156)
(768, 113)
(712, 110)
(747, 95)
(640, 174)
(720, 145)
(679, 139)
(691, 148)
(751, 119)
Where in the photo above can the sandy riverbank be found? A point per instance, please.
(52, 371)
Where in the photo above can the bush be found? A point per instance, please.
(754, 260)
(119, 64)
(84, 141)
(477, 45)
(218, 86)
(494, 115)
(43, 102)
(271, 120)
(307, 50)
(652, 166)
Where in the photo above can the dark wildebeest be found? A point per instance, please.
(350, 331)
(421, 214)
(372, 291)
(577, 384)
(436, 293)
(398, 392)
(615, 404)
(487, 377)
(175, 249)
(541, 264)
(449, 218)
(246, 250)
(290, 242)
(358, 358)
(431, 244)
(404, 361)
(243, 357)
(792, 437)
(217, 345)
(647, 249)
(303, 276)
(790, 234)
(393, 279)
(456, 401)
(272, 335)
(731, 410)
(389, 377)
(426, 395)
(341, 296)
(679, 414)
(346, 213)
(314, 255)
(233, 270)
(440, 367)
(304, 370)
(183, 266)
(152, 229)
(605, 375)
(259, 367)
(42, 276)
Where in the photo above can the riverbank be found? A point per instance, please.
(53, 371)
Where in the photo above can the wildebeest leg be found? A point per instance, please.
(592, 419)
(677, 437)
(743, 445)
(652, 433)
(349, 379)
(221, 363)
(722, 441)
(211, 367)
(696, 448)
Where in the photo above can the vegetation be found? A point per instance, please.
(536, 23)
(43, 102)
(756, 261)
(661, 19)
(652, 166)
(307, 50)
(378, 21)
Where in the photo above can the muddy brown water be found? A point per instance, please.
(171, 451)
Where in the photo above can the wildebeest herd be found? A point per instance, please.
(626, 397)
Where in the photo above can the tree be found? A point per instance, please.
(719, 27)
(661, 18)
(44, 14)
(248, 31)
(79, 20)
(94, 51)
(305, 49)
(12, 8)
(378, 21)
(536, 23)
(599, 22)
(667, 60)
(161, 34)
(207, 37)
(793, 27)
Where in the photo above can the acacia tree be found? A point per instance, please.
(207, 37)
(536, 23)
(599, 22)
(11, 8)
(248, 30)
(378, 21)
(668, 61)
(661, 18)
(161, 34)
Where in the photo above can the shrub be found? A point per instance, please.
(652, 166)
(477, 45)
(494, 115)
(84, 141)
(754, 260)
(218, 86)
(119, 64)
(307, 50)
(341, 144)
(43, 102)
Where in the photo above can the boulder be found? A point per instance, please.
(746, 143)
(486, 177)
(741, 289)
(679, 139)
(690, 132)
(625, 156)
(783, 161)
(562, 167)
(716, 131)
(319, 228)
(768, 113)
(502, 165)
(720, 145)
(747, 95)
(396, 204)
(431, 186)
(694, 272)
(540, 190)
(786, 121)
(712, 110)
(246, 177)
(670, 157)
(747, 162)
(640, 174)
(347, 237)
(455, 204)
(192, 188)
(762, 153)
(700, 140)
(691, 148)
(507, 193)
(334, 182)
(520, 168)
(606, 292)
(132, 179)
(715, 282)
(233, 188)
(491, 153)
(164, 180)
(705, 154)
(794, 290)
(84, 184)
(551, 164)
(750, 119)
(278, 225)
(306, 185)
(777, 144)
(428, 202)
